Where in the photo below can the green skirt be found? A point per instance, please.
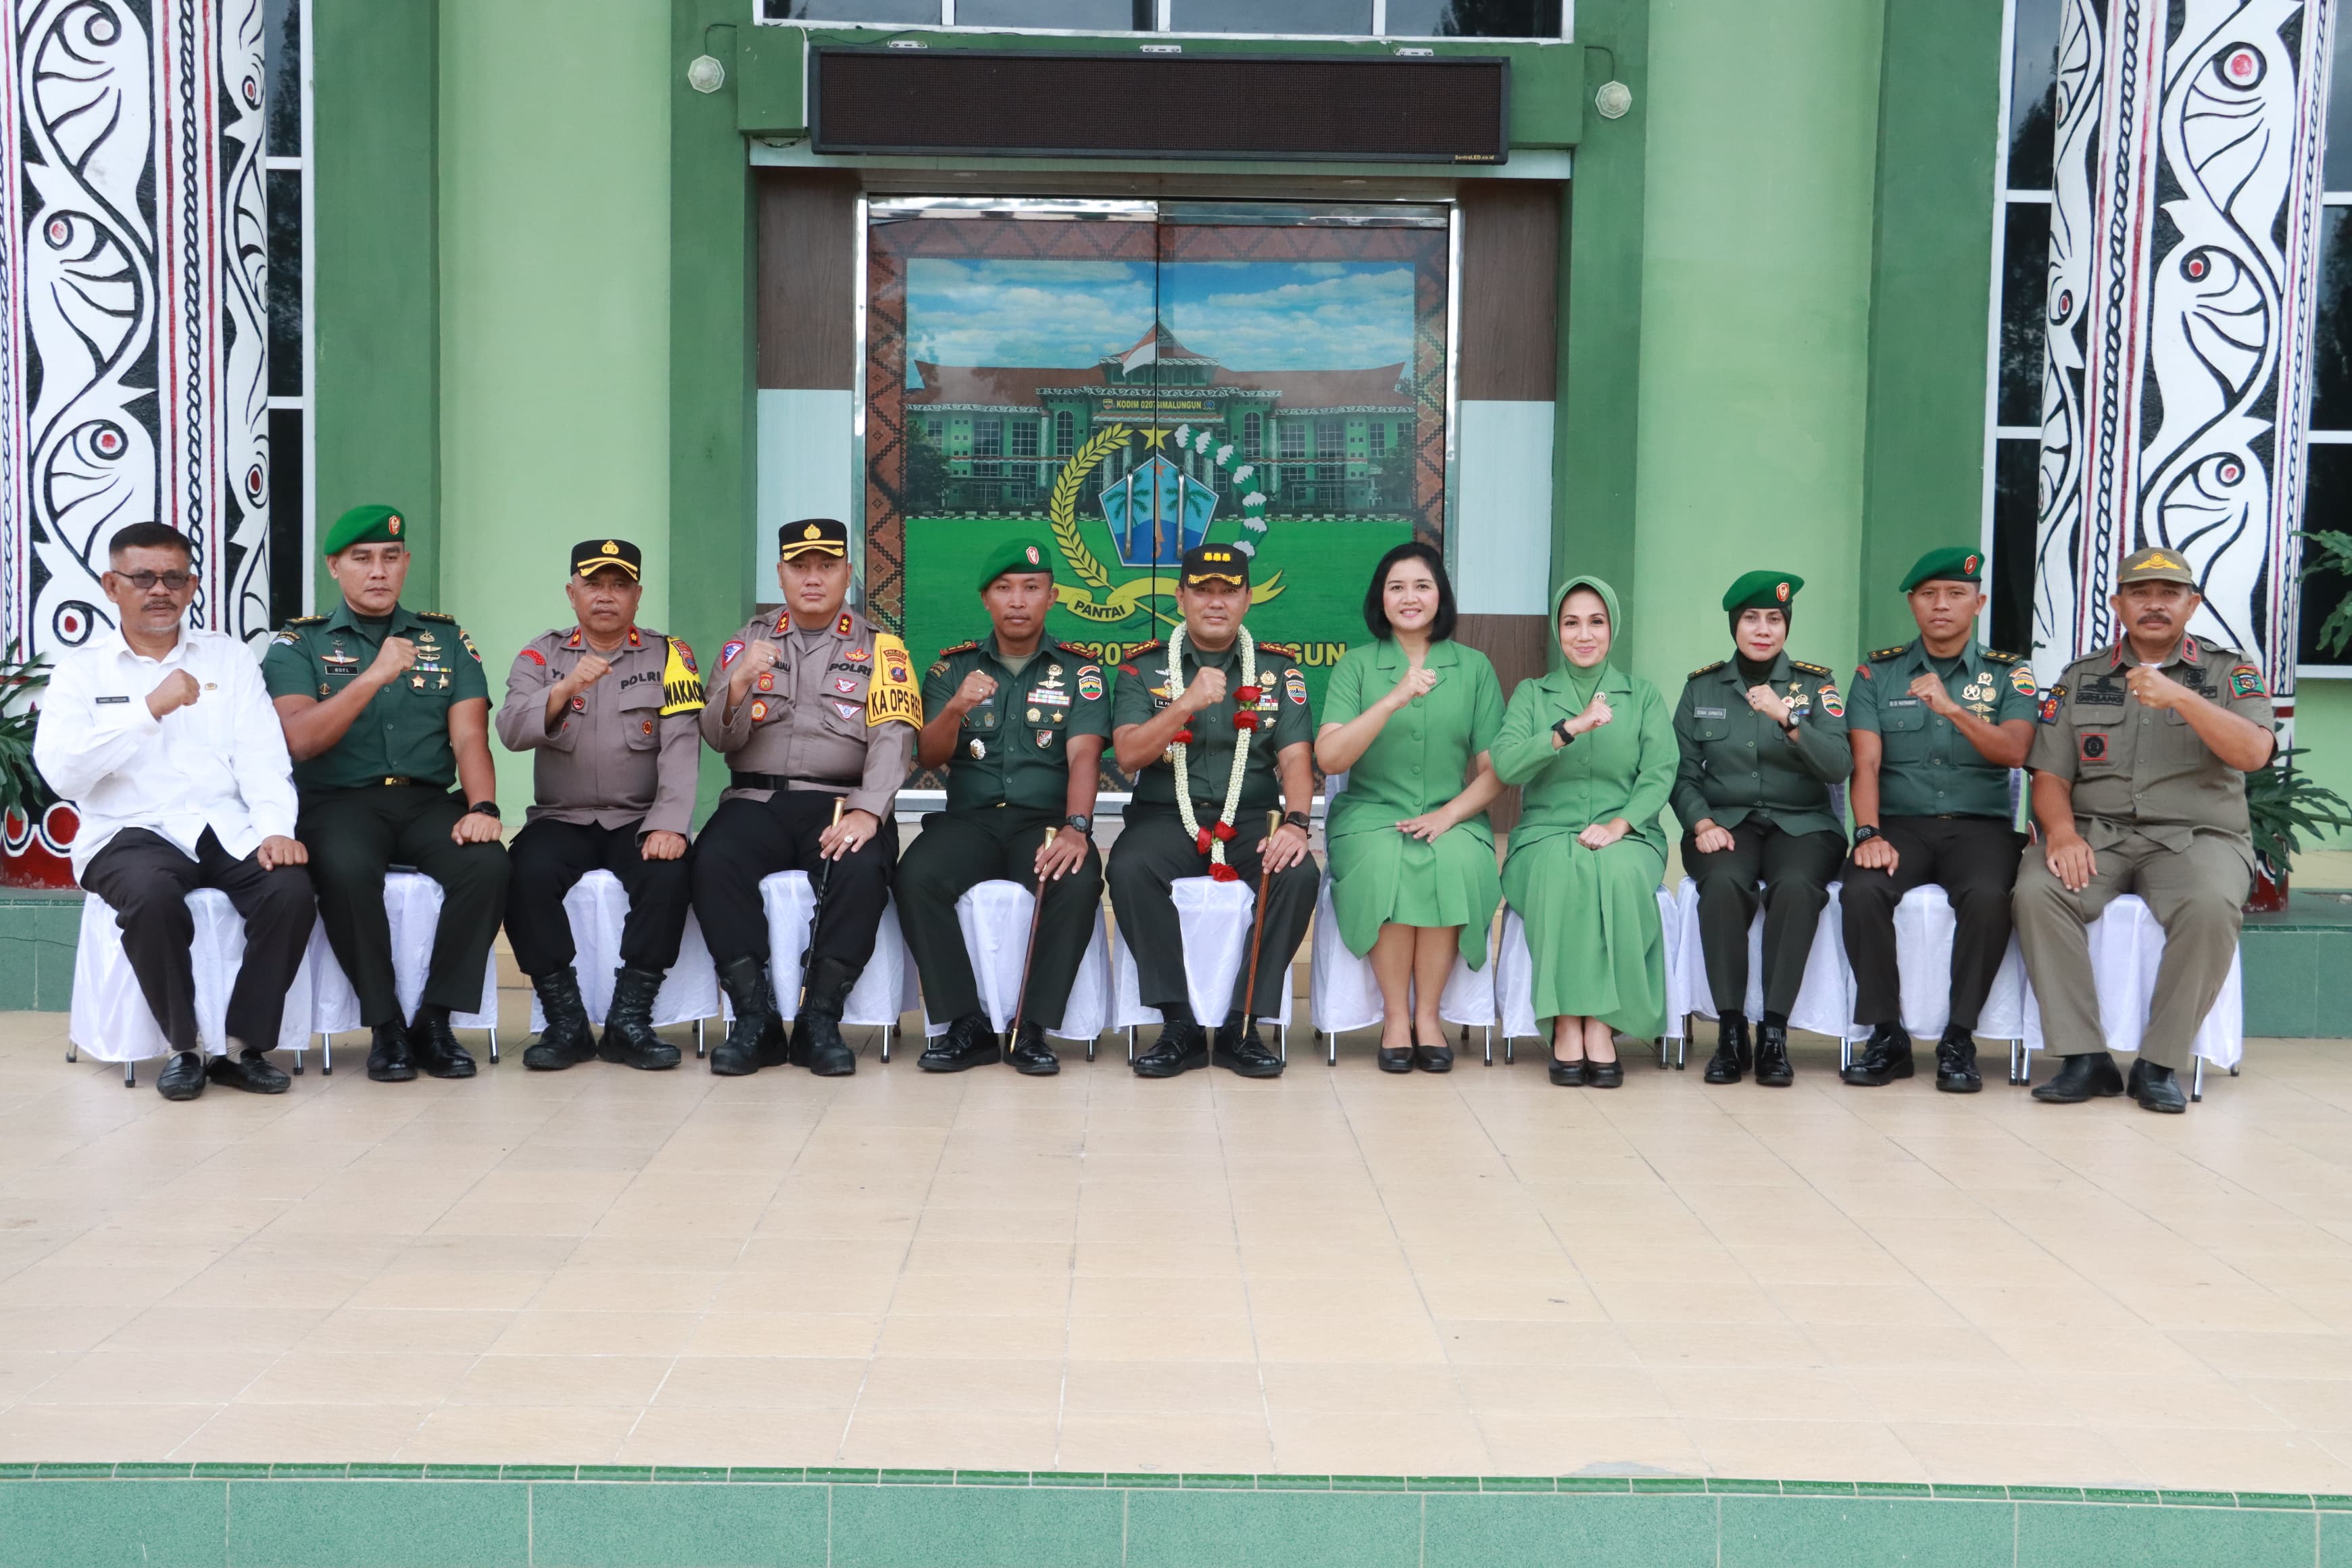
(1594, 933)
(1380, 877)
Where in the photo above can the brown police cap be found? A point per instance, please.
(2156, 565)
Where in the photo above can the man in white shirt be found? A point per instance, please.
(164, 738)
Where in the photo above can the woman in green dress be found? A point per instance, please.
(1595, 748)
(1408, 718)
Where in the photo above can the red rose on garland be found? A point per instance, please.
(1183, 737)
(1223, 830)
(1245, 720)
(1223, 874)
(1246, 696)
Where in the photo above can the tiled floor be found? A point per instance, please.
(1335, 1272)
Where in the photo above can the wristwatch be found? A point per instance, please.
(1567, 736)
(488, 808)
(1864, 833)
(1080, 823)
(1294, 819)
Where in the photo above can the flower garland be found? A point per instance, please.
(1211, 841)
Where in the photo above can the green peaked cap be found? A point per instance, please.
(365, 525)
(1960, 564)
(1762, 591)
(1015, 555)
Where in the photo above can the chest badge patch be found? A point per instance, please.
(727, 650)
(2094, 748)
(848, 709)
(979, 749)
(648, 727)
(767, 683)
(845, 685)
(758, 711)
(1044, 737)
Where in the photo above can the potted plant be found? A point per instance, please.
(35, 849)
(2282, 803)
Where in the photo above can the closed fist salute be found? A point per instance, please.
(1208, 688)
(177, 690)
(1765, 702)
(759, 659)
(393, 659)
(977, 688)
(588, 672)
(1596, 714)
(1418, 682)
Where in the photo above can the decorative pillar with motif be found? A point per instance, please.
(133, 341)
(2184, 253)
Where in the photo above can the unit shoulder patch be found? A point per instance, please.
(1882, 655)
(972, 646)
(1707, 669)
(1821, 669)
(2000, 658)
(681, 681)
(891, 697)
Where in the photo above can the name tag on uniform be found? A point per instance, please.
(104, 701)
(1901, 702)
(1709, 714)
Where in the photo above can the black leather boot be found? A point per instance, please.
(437, 1050)
(1886, 1057)
(629, 1037)
(1731, 1049)
(183, 1076)
(568, 1037)
(2087, 1076)
(390, 1060)
(817, 1044)
(1182, 1045)
(969, 1043)
(1239, 1049)
(1955, 1063)
(2155, 1088)
(1772, 1069)
(1030, 1054)
(756, 1039)
(248, 1068)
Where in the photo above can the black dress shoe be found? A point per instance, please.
(1399, 1060)
(1731, 1049)
(1955, 1063)
(816, 1042)
(390, 1060)
(1610, 1074)
(1886, 1057)
(437, 1050)
(756, 1039)
(1772, 1069)
(1239, 1049)
(629, 1037)
(1030, 1054)
(2157, 1088)
(2086, 1076)
(1181, 1046)
(1567, 1075)
(969, 1043)
(249, 1070)
(184, 1077)
(568, 1037)
(1438, 1058)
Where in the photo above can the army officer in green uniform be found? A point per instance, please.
(384, 709)
(1762, 739)
(1936, 725)
(1018, 722)
(2140, 786)
(1180, 709)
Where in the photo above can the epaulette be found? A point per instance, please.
(1809, 669)
(1076, 650)
(1997, 656)
(435, 615)
(1139, 649)
(1880, 656)
(960, 648)
(306, 621)
(1707, 669)
(1288, 650)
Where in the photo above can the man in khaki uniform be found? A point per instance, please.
(2139, 787)
(815, 709)
(608, 712)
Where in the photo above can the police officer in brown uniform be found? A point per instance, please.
(814, 709)
(608, 710)
(2140, 786)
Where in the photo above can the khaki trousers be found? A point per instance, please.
(2194, 893)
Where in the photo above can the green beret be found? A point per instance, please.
(365, 525)
(1960, 564)
(1015, 555)
(1762, 591)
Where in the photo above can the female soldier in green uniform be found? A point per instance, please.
(1596, 752)
(1763, 739)
(1408, 718)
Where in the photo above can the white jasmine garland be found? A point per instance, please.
(1177, 753)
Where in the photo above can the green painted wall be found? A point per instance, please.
(555, 335)
(1755, 312)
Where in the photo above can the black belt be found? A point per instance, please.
(736, 780)
(397, 780)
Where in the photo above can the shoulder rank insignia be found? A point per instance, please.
(436, 615)
(1707, 669)
(1288, 650)
(681, 681)
(842, 627)
(1821, 669)
(1997, 656)
(1076, 651)
(306, 621)
(960, 648)
(1880, 656)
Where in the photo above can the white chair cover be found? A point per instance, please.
(886, 989)
(110, 1021)
(1214, 918)
(1924, 927)
(2126, 948)
(1514, 983)
(596, 906)
(412, 902)
(1343, 994)
(995, 918)
(1824, 1002)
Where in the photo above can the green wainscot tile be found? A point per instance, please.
(2064, 1494)
(77, 1472)
(1830, 1532)
(315, 1473)
(991, 1478)
(97, 1524)
(919, 1478)
(767, 1476)
(461, 1472)
(976, 1527)
(1670, 1483)
(704, 1473)
(228, 1472)
(2192, 1499)
(2059, 1537)
(1608, 1486)
(618, 1472)
(2275, 1500)
(153, 1472)
(1729, 1485)
(1894, 1488)
(1299, 1483)
(2335, 1540)
(1142, 1479)
(1212, 1481)
(1572, 1530)
(16, 1470)
(1517, 1484)
(1441, 1483)
(538, 1473)
(1274, 1529)
(386, 1472)
(2335, 1502)
(1368, 1483)
(2130, 1495)
(1065, 1478)
(1817, 1489)
(692, 1524)
(1981, 1494)
(378, 1524)
(834, 1476)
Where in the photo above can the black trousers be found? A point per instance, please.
(747, 839)
(147, 881)
(1153, 851)
(956, 851)
(1796, 869)
(354, 837)
(548, 857)
(1974, 859)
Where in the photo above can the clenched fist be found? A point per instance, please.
(586, 673)
(757, 660)
(1420, 681)
(1208, 689)
(392, 661)
(2153, 688)
(175, 691)
(977, 688)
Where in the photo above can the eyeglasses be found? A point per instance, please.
(145, 581)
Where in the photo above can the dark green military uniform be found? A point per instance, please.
(1770, 790)
(1007, 784)
(381, 795)
(1153, 848)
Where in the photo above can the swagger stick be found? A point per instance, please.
(1258, 923)
(1036, 916)
(817, 884)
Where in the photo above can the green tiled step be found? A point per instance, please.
(551, 1516)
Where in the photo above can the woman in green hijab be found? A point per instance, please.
(1595, 748)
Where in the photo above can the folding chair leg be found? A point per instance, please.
(1091, 1048)
(2013, 1079)
(1131, 1043)
(701, 1046)
(73, 1055)
(1331, 1050)
(1490, 1043)
(2197, 1080)
(1510, 1050)
(2234, 1069)
(494, 1047)
(131, 1074)
(297, 1062)
(326, 1055)
(886, 1042)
